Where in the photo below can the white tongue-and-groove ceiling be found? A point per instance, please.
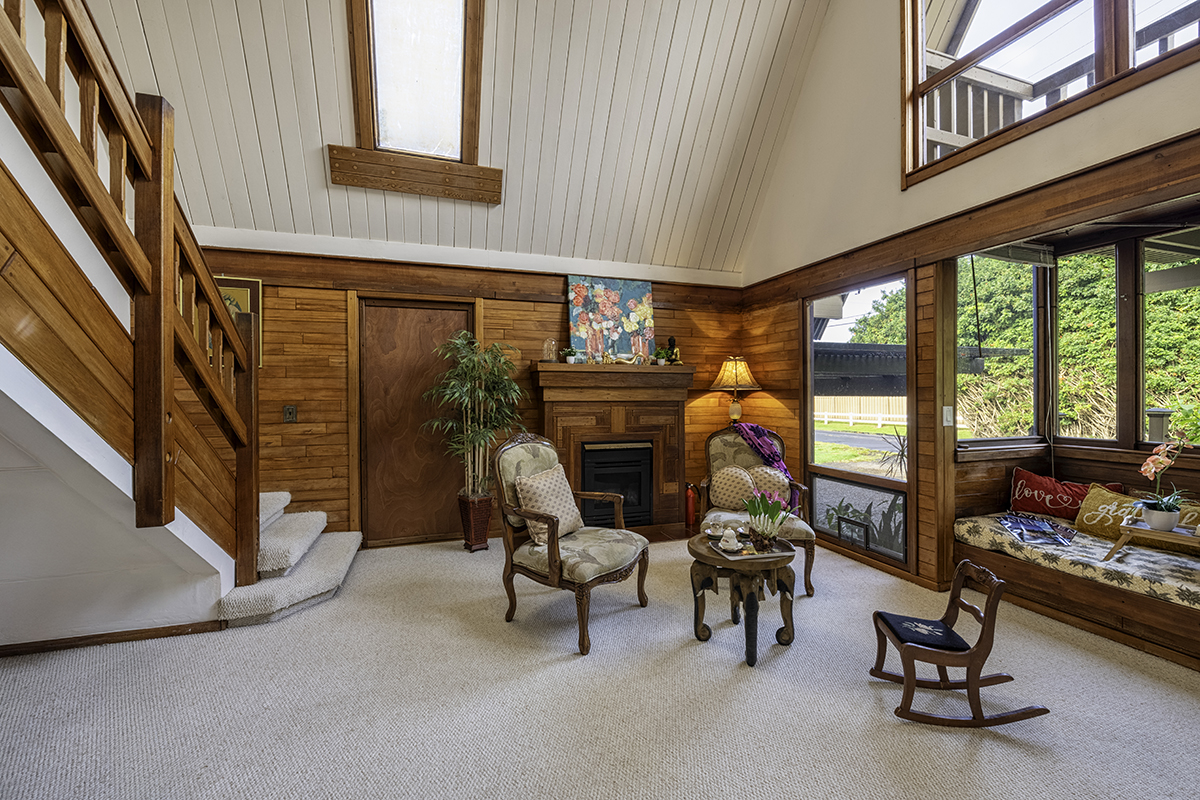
(633, 132)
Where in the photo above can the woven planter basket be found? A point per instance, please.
(476, 519)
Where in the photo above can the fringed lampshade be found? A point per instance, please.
(735, 377)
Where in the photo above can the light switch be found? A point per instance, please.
(948, 416)
(289, 413)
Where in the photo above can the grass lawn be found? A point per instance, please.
(869, 427)
(827, 453)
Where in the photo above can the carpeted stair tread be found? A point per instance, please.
(284, 543)
(315, 578)
(270, 507)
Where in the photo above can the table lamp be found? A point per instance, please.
(734, 377)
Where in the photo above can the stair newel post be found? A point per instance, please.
(153, 331)
(246, 397)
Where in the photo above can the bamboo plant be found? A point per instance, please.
(482, 398)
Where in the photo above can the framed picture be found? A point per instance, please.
(609, 315)
(243, 295)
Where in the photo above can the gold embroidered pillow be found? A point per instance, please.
(730, 486)
(549, 493)
(1189, 515)
(1103, 511)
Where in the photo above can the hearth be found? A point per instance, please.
(626, 468)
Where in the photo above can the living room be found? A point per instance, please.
(748, 161)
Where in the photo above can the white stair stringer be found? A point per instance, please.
(316, 578)
(284, 543)
(270, 507)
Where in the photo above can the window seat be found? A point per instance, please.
(1143, 597)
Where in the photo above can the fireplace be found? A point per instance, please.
(626, 468)
(627, 405)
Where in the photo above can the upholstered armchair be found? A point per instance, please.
(545, 538)
(735, 469)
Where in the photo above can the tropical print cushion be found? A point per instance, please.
(769, 479)
(793, 529)
(1174, 577)
(549, 493)
(587, 553)
(730, 486)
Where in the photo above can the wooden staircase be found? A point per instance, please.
(298, 565)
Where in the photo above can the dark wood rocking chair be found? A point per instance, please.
(935, 642)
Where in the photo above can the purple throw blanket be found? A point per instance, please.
(760, 442)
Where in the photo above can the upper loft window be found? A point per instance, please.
(416, 67)
(418, 75)
(986, 72)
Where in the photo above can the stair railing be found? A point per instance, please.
(115, 167)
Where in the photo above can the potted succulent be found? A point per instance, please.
(661, 354)
(480, 400)
(569, 354)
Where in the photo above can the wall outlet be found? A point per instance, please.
(289, 413)
(948, 416)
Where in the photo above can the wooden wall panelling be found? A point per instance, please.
(205, 487)
(305, 364)
(982, 485)
(771, 343)
(354, 411)
(925, 437)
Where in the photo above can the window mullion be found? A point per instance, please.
(1114, 37)
(1129, 344)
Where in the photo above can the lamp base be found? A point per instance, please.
(735, 411)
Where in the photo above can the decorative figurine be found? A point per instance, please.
(673, 358)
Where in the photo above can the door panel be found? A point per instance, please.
(410, 486)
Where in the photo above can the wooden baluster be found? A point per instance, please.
(56, 52)
(154, 342)
(246, 456)
(188, 300)
(202, 317)
(218, 351)
(15, 9)
(228, 374)
(89, 114)
(118, 152)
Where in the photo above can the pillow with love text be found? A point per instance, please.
(1038, 494)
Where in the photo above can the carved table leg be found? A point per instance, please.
(702, 578)
(751, 602)
(786, 577)
(735, 613)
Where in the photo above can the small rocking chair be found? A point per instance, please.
(935, 642)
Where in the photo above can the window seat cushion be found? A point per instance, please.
(1173, 577)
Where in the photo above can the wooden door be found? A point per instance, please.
(409, 485)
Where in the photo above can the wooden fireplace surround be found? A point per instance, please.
(617, 403)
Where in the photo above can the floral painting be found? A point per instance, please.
(611, 315)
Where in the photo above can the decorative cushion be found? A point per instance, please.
(549, 493)
(793, 528)
(924, 632)
(1038, 494)
(730, 486)
(1189, 515)
(586, 554)
(1103, 511)
(769, 479)
(524, 459)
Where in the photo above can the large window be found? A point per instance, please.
(1087, 344)
(995, 354)
(416, 67)
(1170, 342)
(986, 69)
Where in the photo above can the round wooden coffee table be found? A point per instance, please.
(747, 578)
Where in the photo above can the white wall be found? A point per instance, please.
(836, 184)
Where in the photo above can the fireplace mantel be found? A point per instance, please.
(614, 403)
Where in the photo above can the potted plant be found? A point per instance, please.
(768, 510)
(1161, 511)
(569, 354)
(661, 354)
(480, 396)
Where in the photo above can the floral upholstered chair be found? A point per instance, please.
(735, 470)
(545, 538)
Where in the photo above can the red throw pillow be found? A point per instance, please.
(1037, 494)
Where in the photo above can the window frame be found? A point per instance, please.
(1115, 74)
(371, 166)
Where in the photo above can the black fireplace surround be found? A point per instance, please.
(625, 468)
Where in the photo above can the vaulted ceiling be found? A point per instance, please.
(640, 132)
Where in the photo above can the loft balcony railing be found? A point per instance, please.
(981, 101)
(113, 161)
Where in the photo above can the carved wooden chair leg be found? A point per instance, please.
(512, 596)
(809, 550)
(583, 600)
(643, 567)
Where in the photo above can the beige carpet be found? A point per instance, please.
(410, 684)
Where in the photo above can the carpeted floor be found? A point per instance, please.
(410, 684)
